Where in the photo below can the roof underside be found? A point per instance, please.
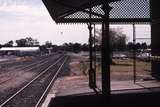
(77, 11)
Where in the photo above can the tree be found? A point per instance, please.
(117, 39)
(55, 48)
(43, 49)
(47, 47)
(144, 45)
(73, 47)
(130, 46)
(67, 47)
(28, 41)
(9, 44)
(138, 46)
(85, 47)
(31, 42)
(76, 47)
(48, 44)
(21, 42)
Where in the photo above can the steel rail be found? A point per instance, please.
(8, 62)
(37, 65)
(50, 84)
(26, 70)
(33, 63)
(13, 61)
(10, 98)
(31, 68)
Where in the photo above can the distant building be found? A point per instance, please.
(19, 51)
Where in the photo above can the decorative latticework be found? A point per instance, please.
(65, 11)
(122, 11)
(78, 15)
(130, 9)
(81, 15)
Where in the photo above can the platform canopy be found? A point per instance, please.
(78, 11)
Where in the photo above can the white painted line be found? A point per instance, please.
(48, 99)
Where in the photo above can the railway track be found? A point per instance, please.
(7, 77)
(35, 67)
(34, 91)
(37, 63)
(20, 63)
(24, 65)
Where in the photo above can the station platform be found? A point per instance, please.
(67, 89)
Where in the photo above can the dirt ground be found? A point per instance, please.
(14, 79)
(77, 81)
(122, 69)
(76, 67)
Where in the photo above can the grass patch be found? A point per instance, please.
(119, 66)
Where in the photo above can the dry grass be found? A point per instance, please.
(121, 66)
(126, 65)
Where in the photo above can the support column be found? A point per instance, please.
(92, 74)
(155, 37)
(105, 52)
(134, 54)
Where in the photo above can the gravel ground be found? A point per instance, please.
(30, 96)
(13, 80)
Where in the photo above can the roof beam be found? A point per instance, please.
(76, 9)
(119, 20)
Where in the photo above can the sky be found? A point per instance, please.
(30, 18)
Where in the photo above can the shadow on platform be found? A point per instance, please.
(149, 99)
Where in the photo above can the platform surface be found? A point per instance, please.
(78, 85)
